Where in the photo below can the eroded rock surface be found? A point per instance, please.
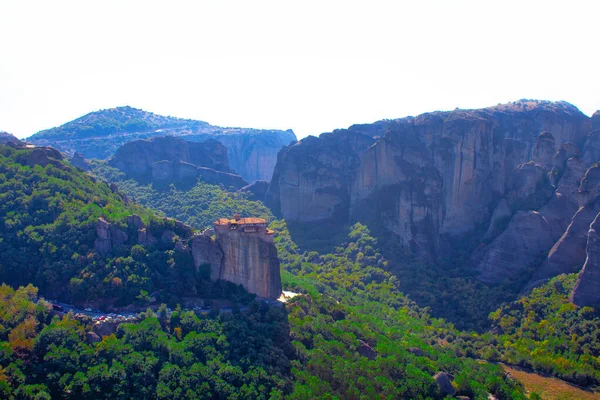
(168, 160)
(587, 289)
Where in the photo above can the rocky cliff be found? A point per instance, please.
(243, 253)
(252, 152)
(507, 176)
(587, 289)
(173, 160)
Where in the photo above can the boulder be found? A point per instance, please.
(80, 162)
(365, 350)
(92, 337)
(444, 383)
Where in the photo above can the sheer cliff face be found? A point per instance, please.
(173, 160)
(250, 259)
(247, 259)
(137, 158)
(254, 156)
(587, 289)
(312, 178)
(508, 174)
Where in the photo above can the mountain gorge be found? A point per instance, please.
(252, 152)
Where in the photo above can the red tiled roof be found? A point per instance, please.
(241, 221)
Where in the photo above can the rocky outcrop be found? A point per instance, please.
(587, 288)
(168, 160)
(507, 175)
(444, 382)
(44, 156)
(567, 255)
(249, 257)
(243, 253)
(6, 138)
(256, 190)
(108, 237)
(137, 158)
(80, 162)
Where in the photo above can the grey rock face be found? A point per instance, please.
(587, 289)
(137, 158)
(173, 160)
(544, 150)
(78, 161)
(313, 177)
(206, 251)
(525, 240)
(444, 383)
(256, 190)
(108, 237)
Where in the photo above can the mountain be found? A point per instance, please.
(252, 152)
(501, 183)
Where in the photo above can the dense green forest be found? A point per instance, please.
(177, 356)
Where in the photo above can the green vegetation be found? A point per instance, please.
(114, 120)
(543, 331)
(177, 356)
(48, 218)
(198, 206)
(350, 304)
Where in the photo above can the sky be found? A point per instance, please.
(310, 66)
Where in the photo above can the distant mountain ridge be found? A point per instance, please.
(252, 152)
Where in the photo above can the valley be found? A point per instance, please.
(417, 247)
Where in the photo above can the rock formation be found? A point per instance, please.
(587, 289)
(312, 180)
(6, 138)
(249, 256)
(252, 153)
(256, 190)
(78, 161)
(507, 175)
(243, 253)
(443, 380)
(173, 160)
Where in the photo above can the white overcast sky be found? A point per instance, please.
(311, 66)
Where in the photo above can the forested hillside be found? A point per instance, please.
(50, 216)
